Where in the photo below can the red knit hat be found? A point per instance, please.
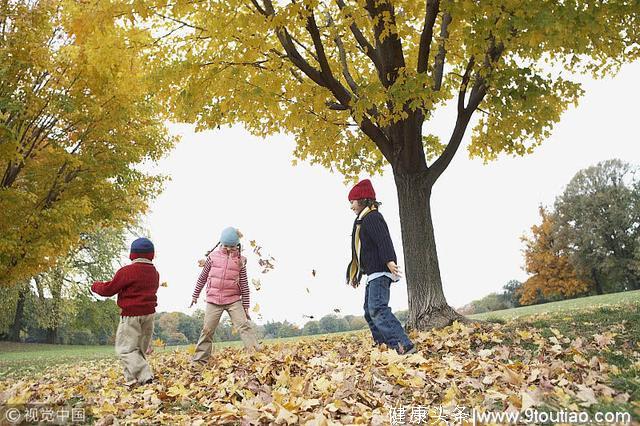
(362, 190)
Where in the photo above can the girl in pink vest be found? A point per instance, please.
(227, 289)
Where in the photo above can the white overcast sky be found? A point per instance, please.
(300, 214)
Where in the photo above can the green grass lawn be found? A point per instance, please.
(631, 297)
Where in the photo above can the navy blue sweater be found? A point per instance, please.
(376, 247)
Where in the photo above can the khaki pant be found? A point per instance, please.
(212, 316)
(132, 340)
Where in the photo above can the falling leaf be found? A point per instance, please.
(164, 284)
(308, 290)
(256, 308)
(308, 316)
(313, 272)
(256, 283)
(336, 310)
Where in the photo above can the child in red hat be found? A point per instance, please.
(373, 255)
(136, 286)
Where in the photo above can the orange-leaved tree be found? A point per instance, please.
(553, 275)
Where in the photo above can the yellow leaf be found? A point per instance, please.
(19, 399)
(451, 394)
(107, 408)
(322, 385)
(178, 391)
(524, 334)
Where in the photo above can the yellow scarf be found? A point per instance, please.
(354, 274)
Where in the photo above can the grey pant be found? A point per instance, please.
(132, 340)
(212, 316)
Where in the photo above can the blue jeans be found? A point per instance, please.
(384, 326)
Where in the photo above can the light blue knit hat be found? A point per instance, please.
(229, 237)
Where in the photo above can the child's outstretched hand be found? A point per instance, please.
(193, 301)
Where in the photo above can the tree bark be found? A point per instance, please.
(428, 307)
(18, 319)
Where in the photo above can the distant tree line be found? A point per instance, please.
(177, 328)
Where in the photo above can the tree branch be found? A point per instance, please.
(325, 77)
(364, 44)
(464, 113)
(392, 57)
(183, 23)
(259, 8)
(342, 53)
(306, 49)
(463, 85)
(426, 37)
(338, 90)
(440, 57)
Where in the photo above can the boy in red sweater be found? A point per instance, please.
(136, 286)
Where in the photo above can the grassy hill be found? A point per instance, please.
(563, 306)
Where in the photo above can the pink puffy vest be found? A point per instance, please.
(223, 282)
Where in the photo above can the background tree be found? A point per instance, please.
(357, 83)
(95, 322)
(55, 299)
(311, 327)
(77, 113)
(511, 293)
(598, 219)
(549, 263)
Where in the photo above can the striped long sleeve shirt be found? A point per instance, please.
(244, 283)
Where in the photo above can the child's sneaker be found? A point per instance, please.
(403, 351)
(413, 350)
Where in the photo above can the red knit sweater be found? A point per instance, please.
(136, 286)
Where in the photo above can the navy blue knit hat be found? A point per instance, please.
(142, 247)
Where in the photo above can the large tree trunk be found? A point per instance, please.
(428, 307)
(18, 318)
